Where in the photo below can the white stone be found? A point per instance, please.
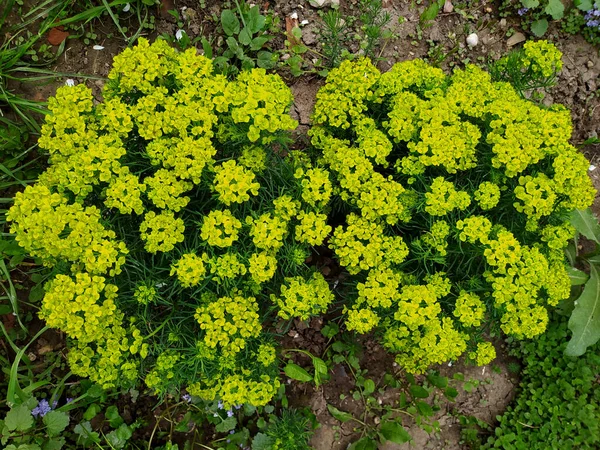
(472, 40)
(98, 47)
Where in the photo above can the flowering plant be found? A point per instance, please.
(456, 195)
(174, 225)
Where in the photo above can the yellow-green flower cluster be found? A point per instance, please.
(161, 231)
(130, 213)
(303, 298)
(220, 228)
(234, 183)
(228, 322)
(313, 228)
(487, 195)
(433, 165)
(189, 269)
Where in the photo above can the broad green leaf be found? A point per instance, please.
(86, 434)
(54, 444)
(295, 372)
(266, 60)
(262, 442)
(227, 425)
(437, 380)
(365, 443)
(394, 432)
(432, 11)
(578, 277)
(539, 27)
(342, 416)
(245, 36)
(258, 42)
(418, 391)
(320, 366)
(56, 422)
(23, 447)
(586, 223)
(424, 408)
(583, 5)
(92, 411)
(19, 418)
(530, 3)
(230, 22)
(555, 8)
(451, 393)
(113, 417)
(369, 387)
(119, 437)
(585, 318)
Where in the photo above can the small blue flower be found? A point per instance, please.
(186, 397)
(219, 404)
(69, 399)
(42, 408)
(522, 11)
(238, 406)
(230, 413)
(232, 432)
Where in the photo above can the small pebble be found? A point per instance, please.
(472, 40)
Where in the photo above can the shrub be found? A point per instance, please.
(455, 194)
(169, 216)
(558, 402)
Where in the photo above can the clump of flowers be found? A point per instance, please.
(457, 194)
(166, 230)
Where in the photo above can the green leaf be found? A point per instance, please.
(539, 27)
(424, 408)
(19, 418)
(258, 42)
(365, 443)
(585, 318)
(262, 442)
(342, 416)
(92, 411)
(578, 277)
(555, 8)
(530, 3)
(207, 48)
(56, 422)
(245, 36)
(295, 372)
(86, 434)
(230, 22)
(451, 393)
(586, 223)
(227, 425)
(369, 387)
(112, 414)
(432, 11)
(438, 381)
(583, 5)
(265, 60)
(54, 444)
(119, 437)
(320, 366)
(418, 391)
(394, 432)
(255, 21)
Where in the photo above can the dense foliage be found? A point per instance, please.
(175, 226)
(455, 194)
(558, 404)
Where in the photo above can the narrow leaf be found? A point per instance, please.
(394, 432)
(586, 223)
(577, 276)
(342, 416)
(295, 372)
(585, 318)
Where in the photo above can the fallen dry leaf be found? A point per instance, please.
(165, 7)
(57, 35)
(290, 24)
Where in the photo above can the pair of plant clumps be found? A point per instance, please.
(177, 225)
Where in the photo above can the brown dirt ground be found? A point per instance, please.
(577, 88)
